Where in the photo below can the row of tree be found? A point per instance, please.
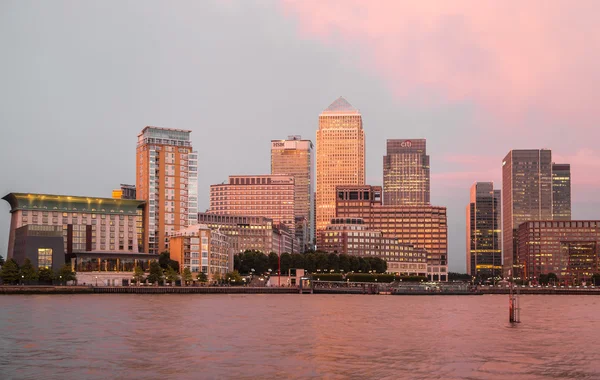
(311, 261)
(11, 273)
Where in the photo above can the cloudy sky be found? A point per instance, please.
(80, 79)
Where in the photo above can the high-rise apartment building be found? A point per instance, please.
(340, 156)
(406, 178)
(561, 191)
(167, 178)
(271, 196)
(526, 195)
(424, 226)
(484, 253)
(294, 157)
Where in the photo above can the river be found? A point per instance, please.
(297, 336)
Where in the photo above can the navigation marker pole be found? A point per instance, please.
(513, 302)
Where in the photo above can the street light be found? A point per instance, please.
(96, 280)
(22, 280)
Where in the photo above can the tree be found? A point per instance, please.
(28, 272)
(156, 273)
(216, 277)
(273, 262)
(164, 260)
(171, 275)
(202, 277)
(552, 278)
(187, 275)
(297, 261)
(595, 279)
(1, 260)
(65, 274)
(138, 274)
(453, 276)
(286, 262)
(344, 263)
(10, 272)
(333, 262)
(234, 277)
(45, 275)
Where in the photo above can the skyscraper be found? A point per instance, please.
(167, 178)
(526, 195)
(340, 156)
(484, 254)
(406, 173)
(561, 191)
(294, 157)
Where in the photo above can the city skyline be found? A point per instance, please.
(55, 104)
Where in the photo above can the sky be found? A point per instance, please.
(79, 80)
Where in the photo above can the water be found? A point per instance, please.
(297, 336)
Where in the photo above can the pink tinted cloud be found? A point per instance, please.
(512, 57)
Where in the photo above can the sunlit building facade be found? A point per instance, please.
(423, 226)
(569, 249)
(294, 157)
(484, 235)
(255, 233)
(340, 156)
(352, 237)
(406, 174)
(270, 196)
(200, 248)
(561, 191)
(526, 195)
(167, 178)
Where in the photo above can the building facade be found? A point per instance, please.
(406, 174)
(526, 195)
(561, 191)
(294, 157)
(270, 196)
(424, 226)
(569, 249)
(167, 179)
(484, 235)
(86, 223)
(255, 233)
(352, 237)
(124, 192)
(200, 248)
(340, 156)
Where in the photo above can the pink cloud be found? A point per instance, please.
(513, 58)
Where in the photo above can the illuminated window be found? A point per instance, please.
(45, 257)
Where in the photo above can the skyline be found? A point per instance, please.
(90, 106)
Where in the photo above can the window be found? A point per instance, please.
(45, 257)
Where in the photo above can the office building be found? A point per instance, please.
(294, 157)
(406, 177)
(271, 196)
(569, 249)
(352, 237)
(526, 195)
(423, 226)
(167, 178)
(484, 245)
(340, 156)
(561, 191)
(124, 192)
(255, 233)
(200, 248)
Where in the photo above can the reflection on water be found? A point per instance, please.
(297, 336)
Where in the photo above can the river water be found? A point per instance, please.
(106, 336)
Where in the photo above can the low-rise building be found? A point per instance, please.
(201, 248)
(351, 236)
(108, 268)
(570, 249)
(253, 233)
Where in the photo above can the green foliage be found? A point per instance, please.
(273, 262)
(249, 260)
(155, 275)
(329, 276)
(65, 274)
(1, 260)
(216, 277)
(171, 275)
(371, 277)
(28, 272)
(138, 274)
(164, 260)
(10, 272)
(187, 275)
(202, 277)
(453, 276)
(45, 275)
(234, 277)
(595, 280)
(286, 262)
(413, 278)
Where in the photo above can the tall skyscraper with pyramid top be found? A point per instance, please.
(340, 156)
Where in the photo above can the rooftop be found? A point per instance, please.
(341, 105)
